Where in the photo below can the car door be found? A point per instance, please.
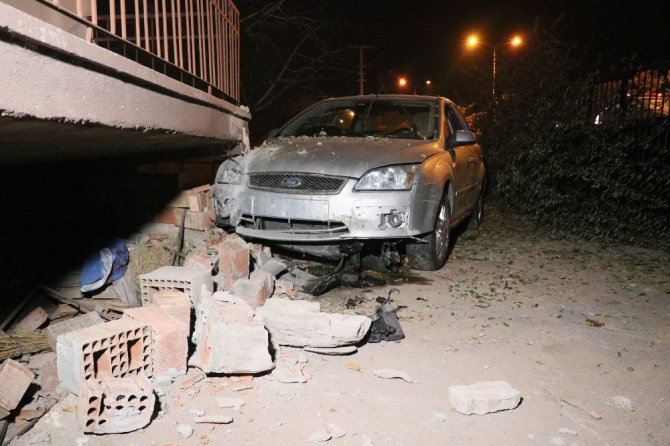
(468, 161)
(459, 156)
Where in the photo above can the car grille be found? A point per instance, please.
(297, 183)
(293, 226)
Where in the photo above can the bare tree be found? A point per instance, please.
(286, 46)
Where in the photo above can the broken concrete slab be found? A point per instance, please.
(14, 381)
(169, 340)
(229, 338)
(333, 351)
(300, 323)
(76, 323)
(115, 405)
(484, 397)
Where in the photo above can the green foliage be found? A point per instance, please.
(547, 158)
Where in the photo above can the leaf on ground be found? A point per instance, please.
(354, 367)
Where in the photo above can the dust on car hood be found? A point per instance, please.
(339, 156)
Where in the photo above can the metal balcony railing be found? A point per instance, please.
(194, 41)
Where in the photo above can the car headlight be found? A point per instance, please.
(230, 172)
(388, 178)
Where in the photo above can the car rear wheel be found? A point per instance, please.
(432, 254)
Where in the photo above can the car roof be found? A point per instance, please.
(409, 97)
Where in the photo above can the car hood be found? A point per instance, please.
(339, 156)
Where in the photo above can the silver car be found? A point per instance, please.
(389, 171)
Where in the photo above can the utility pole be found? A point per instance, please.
(361, 67)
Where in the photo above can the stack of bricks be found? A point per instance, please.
(14, 381)
(115, 405)
(191, 281)
(116, 349)
(169, 340)
(197, 205)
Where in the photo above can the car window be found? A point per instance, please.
(406, 119)
(456, 118)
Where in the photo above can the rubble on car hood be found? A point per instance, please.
(341, 156)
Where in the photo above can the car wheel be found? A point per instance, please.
(432, 255)
(477, 212)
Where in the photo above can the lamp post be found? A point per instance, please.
(473, 41)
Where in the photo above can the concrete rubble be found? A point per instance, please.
(228, 299)
(228, 337)
(484, 397)
(301, 323)
(115, 405)
(169, 340)
(117, 349)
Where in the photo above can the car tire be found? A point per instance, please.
(432, 255)
(475, 220)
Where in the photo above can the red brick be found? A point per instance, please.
(14, 381)
(195, 220)
(233, 261)
(169, 339)
(32, 321)
(166, 216)
(199, 258)
(175, 303)
(115, 405)
(197, 201)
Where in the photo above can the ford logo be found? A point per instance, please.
(291, 182)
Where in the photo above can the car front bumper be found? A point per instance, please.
(347, 215)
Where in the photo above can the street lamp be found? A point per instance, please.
(473, 41)
(402, 83)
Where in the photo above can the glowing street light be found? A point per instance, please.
(402, 82)
(473, 41)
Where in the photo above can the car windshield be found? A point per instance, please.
(407, 119)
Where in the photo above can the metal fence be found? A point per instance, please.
(642, 94)
(194, 41)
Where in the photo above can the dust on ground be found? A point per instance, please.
(581, 328)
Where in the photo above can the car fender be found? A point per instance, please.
(435, 177)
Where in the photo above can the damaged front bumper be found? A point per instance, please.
(327, 218)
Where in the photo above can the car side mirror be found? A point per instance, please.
(464, 137)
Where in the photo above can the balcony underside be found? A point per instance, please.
(62, 98)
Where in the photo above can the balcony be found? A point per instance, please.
(91, 78)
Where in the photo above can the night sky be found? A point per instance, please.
(424, 38)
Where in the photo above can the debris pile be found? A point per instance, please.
(227, 301)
